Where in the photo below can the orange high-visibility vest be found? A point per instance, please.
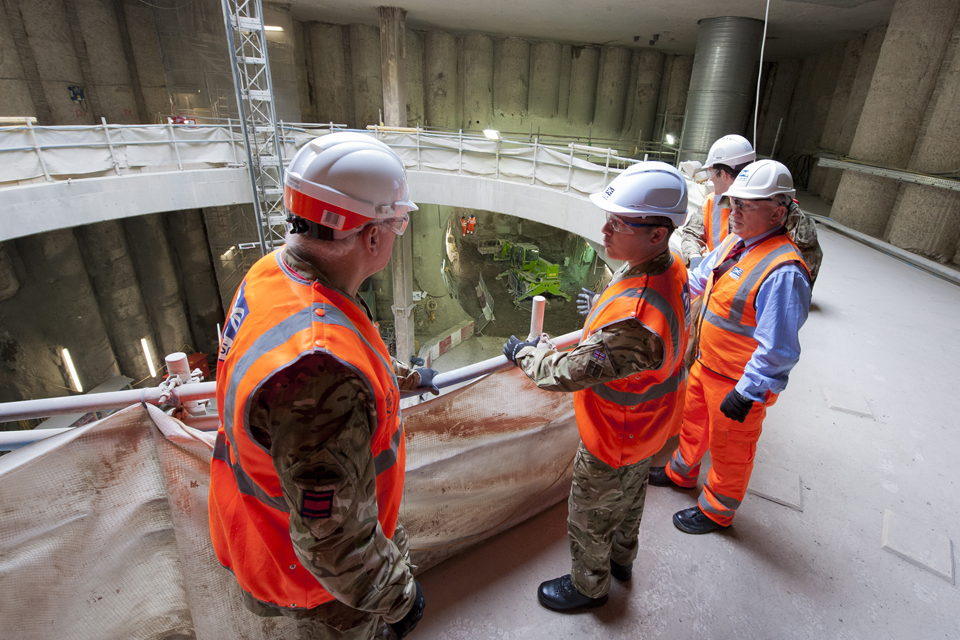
(624, 421)
(716, 222)
(729, 314)
(463, 226)
(471, 223)
(278, 317)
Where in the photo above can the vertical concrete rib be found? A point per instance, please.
(441, 83)
(188, 238)
(513, 79)
(66, 304)
(413, 72)
(926, 220)
(367, 82)
(28, 62)
(858, 96)
(154, 262)
(477, 81)
(907, 69)
(544, 100)
(777, 104)
(332, 85)
(114, 279)
(612, 90)
(584, 65)
(649, 78)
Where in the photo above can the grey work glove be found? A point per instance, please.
(585, 301)
(735, 406)
(514, 345)
(426, 380)
(408, 623)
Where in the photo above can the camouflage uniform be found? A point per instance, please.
(605, 504)
(800, 227)
(315, 417)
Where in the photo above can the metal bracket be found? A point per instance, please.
(405, 311)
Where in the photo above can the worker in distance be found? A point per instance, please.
(627, 376)
(756, 296)
(307, 473)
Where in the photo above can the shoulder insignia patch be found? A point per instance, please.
(317, 504)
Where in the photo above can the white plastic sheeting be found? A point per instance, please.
(104, 535)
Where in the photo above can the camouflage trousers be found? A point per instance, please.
(334, 620)
(605, 507)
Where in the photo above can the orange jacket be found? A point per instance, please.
(627, 420)
(277, 317)
(463, 226)
(729, 315)
(471, 223)
(716, 222)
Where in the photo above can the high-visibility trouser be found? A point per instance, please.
(732, 444)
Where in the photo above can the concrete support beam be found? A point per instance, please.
(60, 279)
(672, 99)
(858, 96)
(395, 115)
(332, 84)
(413, 72)
(906, 73)
(365, 66)
(154, 261)
(441, 81)
(477, 81)
(188, 238)
(544, 98)
(649, 77)
(810, 106)
(614, 77)
(512, 79)
(926, 220)
(13, 20)
(107, 258)
(777, 105)
(584, 66)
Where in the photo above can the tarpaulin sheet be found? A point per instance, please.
(104, 535)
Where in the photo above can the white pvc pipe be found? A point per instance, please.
(536, 316)
(178, 365)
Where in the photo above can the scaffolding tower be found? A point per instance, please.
(247, 41)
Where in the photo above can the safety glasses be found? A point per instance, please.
(619, 225)
(749, 205)
(704, 175)
(397, 224)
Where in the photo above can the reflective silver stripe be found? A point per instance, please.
(660, 303)
(706, 507)
(333, 315)
(717, 221)
(730, 504)
(743, 292)
(679, 465)
(245, 483)
(635, 292)
(728, 325)
(388, 457)
(627, 399)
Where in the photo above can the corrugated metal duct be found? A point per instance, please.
(722, 83)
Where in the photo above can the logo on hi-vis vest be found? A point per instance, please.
(237, 315)
(736, 272)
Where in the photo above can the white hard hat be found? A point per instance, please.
(762, 179)
(343, 180)
(732, 151)
(646, 189)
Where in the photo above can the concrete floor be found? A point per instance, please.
(881, 339)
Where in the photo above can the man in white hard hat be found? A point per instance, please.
(756, 292)
(307, 473)
(628, 379)
(706, 229)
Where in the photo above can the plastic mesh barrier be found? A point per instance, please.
(103, 530)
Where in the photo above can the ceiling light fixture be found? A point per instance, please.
(146, 352)
(270, 27)
(491, 134)
(73, 370)
(670, 139)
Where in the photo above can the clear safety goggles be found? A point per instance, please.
(396, 224)
(704, 175)
(619, 225)
(747, 205)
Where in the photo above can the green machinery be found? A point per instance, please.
(529, 274)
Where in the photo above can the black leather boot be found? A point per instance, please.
(694, 521)
(559, 594)
(621, 572)
(659, 478)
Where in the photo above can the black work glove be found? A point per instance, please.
(426, 380)
(585, 301)
(514, 345)
(735, 406)
(409, 622)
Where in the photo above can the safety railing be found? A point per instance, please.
(183, 398)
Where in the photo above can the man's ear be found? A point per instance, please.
(659, 234)
(371, 239)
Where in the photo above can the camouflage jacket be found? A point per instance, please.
(316, 417)
(694, 237)
(627, 347)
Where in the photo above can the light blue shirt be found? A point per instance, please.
(782, 302)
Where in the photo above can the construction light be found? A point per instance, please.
(270, 27)
(670, 139)
(73, 370)
(146, 352)
(492, 134)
